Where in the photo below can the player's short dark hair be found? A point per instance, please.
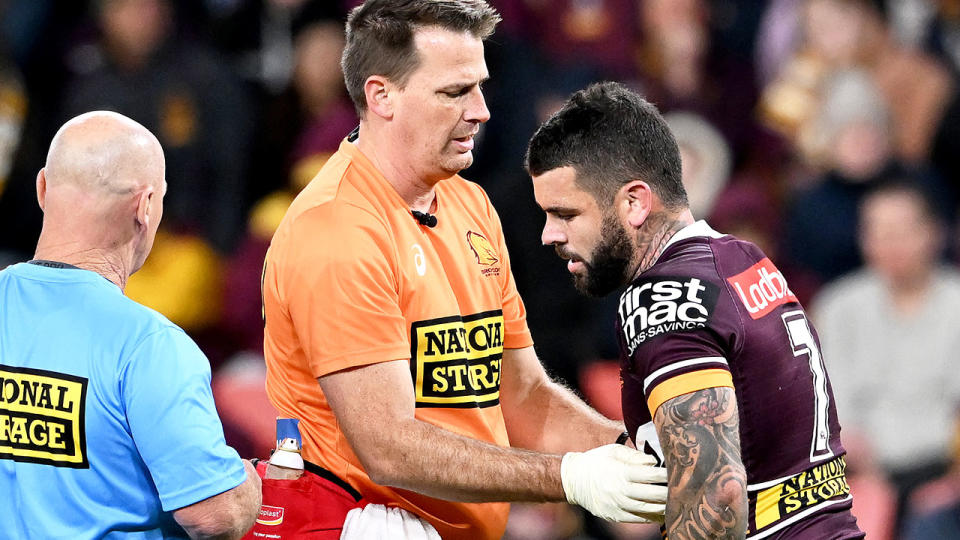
(610, 136)
(380, 37)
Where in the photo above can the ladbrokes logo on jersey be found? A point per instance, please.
(761, 288)
(455, 362)
(42, 417)
(665, 304)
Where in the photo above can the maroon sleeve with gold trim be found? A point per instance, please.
(717, 312)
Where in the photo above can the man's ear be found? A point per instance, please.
(145, 206)
(379, 92)
(638, 199)
(42, 188)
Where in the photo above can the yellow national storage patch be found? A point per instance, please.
(455, 362)
(42, 417)
(802, 491)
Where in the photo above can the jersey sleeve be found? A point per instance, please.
(170, 410)
(674, 338)
(516, 332)
(341, 284)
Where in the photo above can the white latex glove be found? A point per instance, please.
(615, 483)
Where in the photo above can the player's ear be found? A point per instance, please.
(42, 188)
(638, 200)
(145, 207)
(380, 92)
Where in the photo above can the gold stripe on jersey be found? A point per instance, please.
(686, 383)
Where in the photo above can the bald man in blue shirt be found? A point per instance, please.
(107, 422)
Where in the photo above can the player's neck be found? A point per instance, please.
(405, 179)
(655, 234)
(106, 263)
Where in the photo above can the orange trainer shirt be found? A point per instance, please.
(351, 279)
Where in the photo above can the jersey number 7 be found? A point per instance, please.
(801, 338)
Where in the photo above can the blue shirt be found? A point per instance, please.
(107, 421)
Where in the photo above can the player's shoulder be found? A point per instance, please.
(125, 320)
(134, 316)
(327, 187)
(340, 199)
(703, 273)
(678, 295)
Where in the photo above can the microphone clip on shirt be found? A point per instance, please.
(423, 218)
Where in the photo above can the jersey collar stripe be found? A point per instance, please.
(697, 228)
(679, 365)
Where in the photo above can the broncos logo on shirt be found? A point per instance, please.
(481, 249)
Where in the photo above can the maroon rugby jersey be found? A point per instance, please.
(714, 310)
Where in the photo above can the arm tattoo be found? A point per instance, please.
(700, 436)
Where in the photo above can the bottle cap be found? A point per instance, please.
(287, 453)
(288, 434)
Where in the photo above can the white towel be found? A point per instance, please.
(377, 522)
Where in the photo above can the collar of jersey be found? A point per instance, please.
(62, 275)
(359, 159)
(697, 228)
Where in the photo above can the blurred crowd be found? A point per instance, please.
(825, 131)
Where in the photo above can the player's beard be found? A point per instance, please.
(608, 263)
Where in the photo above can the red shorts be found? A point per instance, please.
(313, 506)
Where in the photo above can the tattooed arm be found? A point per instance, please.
(700, 435)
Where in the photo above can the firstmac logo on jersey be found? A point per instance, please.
(761, 288)
(662, 305)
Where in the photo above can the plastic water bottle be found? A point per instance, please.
(286, 462)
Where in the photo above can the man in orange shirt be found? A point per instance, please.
(388, 281)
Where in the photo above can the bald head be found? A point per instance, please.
(105, 153)
(102, 194)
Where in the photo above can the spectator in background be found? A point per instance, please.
(33, 37)
(676, 67)
(303, 128)
(852, 136)
(573, 34)
(874, 497)
(890, 332)
(940, 524)
(934, 507)
(705, 156)
(182, 92)
(747, 210)
(260, 35)
(13, 112)
(303, 125)
(852, 34)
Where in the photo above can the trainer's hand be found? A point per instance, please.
(615, 483)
